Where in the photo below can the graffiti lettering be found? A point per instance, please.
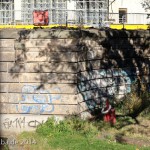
(97, 85)
(20, 123)
(16, 123)
(35, 123)
(37, 101)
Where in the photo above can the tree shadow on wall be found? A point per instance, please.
(102, 63)
(46, 65)
(110, 64)
(53, 58)
(51, 53)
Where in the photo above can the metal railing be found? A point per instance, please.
(86, 12)
(129, 18)
(60, 17)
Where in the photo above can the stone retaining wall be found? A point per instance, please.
(60, 72)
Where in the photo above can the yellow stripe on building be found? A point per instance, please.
(32, 26)
(112, 26)
(129, 26)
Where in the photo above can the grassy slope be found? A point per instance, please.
(72, 142)
(74, 134)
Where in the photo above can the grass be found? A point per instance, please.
(76, 134)
(73, 142)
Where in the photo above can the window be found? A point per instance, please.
(56, 10)
(122, 15)
(6, 11)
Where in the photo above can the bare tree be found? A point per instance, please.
(146, 6)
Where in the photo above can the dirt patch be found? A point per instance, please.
(129, 133)
(134, 141)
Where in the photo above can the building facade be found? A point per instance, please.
(87, 12)
(94, 13)
(128, 12)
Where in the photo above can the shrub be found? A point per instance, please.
(46, 128)
(134, 103)
(70, 125)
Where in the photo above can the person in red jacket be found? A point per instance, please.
(109, 113)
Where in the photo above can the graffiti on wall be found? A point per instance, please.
(36, 100)
(20, 122)
(98, 85)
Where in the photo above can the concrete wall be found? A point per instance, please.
(109, 64)
(37, 79)
(60, 72)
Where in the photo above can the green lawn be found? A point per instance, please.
(72, 134)
(73, 142)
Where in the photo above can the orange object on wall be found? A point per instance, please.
(40, 17)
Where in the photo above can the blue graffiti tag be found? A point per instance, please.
(103, 83)
(36, 100)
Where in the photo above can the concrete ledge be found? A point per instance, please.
(66, 33)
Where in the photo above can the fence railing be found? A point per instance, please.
(74, 17)
(129, 18)
(60, 17)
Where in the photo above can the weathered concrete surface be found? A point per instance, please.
(20, 123)
(37, 76)
(64, 34)
(52, 88)
(33, 67)
(59, 72)
(39, 109)
(43, 98)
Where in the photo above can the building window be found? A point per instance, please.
(6, 11)
(93, 12)
(122, 15)
(56, 10)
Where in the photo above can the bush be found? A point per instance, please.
(70, 125)
(136, 102)
(47, 128)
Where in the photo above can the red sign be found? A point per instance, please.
(40, 17)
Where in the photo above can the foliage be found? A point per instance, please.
(73, 133)
(74, 142)
(47, 128)
(70, 125)
(146, 5)
(136, 102)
